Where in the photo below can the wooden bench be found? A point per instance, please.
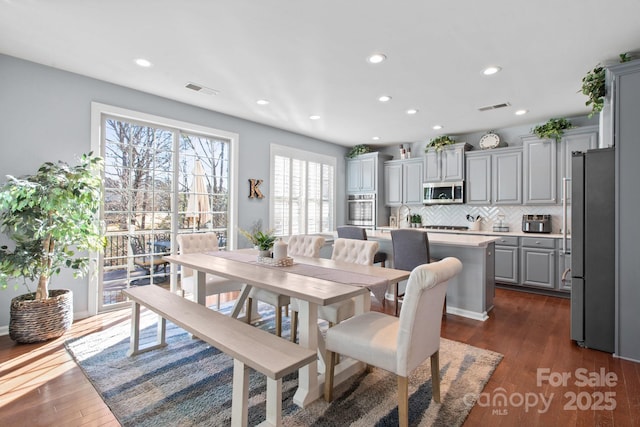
(249, 346)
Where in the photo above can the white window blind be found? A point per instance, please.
(303, 191)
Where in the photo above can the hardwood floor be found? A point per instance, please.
(41, 385)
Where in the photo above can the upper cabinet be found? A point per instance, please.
(539, 171)
(494, 177)
(446, 164)
(362, 173)
(579, 139)
(403, 181)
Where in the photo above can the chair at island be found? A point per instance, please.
(410, 249)
(398, 345)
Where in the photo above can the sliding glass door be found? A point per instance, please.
(159, 181)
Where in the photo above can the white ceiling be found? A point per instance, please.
(309, 57)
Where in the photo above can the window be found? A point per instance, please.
(161, 178)
(303, 191)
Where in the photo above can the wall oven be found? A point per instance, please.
(441, 193)
(361, 210)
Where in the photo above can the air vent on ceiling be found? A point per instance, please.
(202, 89)
(494, 107)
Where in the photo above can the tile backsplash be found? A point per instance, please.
(456, 215)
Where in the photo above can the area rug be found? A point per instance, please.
(188, 383)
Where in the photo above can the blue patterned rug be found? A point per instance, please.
(188, 383)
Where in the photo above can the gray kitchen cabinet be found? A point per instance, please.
(478, 184)
(579, 139)
(393, 183)
(622, 130)
(494, 177)
(446, 164)
(507, 260)
(538, 262)
(539, 171)
(362, 173)
(403, 182)
(507, 176)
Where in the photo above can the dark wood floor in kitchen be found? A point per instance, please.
(40, 385)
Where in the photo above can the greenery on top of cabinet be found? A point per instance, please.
(439, 143)
(593, 86)
(553, 128)
(358, 149)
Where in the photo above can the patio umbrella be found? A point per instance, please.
(198, 207)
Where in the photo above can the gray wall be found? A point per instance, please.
(45, 116)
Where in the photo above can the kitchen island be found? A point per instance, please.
(470, 294)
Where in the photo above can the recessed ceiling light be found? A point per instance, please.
(491, 70)
(314, 117)
(412, 111)
(262, 102)
(384, 98)
(141, 62)
(437, 127)
(521, 112)
(376, 58)
(376, 138)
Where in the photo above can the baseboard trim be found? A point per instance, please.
(469, 314)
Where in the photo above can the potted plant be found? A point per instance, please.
(357, 150)
(553, 128)
(52, 219)
(439, 143)
(416, 220)
(261, 240)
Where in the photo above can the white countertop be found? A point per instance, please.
(484, 233)
(466, 240)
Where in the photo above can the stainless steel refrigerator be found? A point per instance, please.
(593, 249)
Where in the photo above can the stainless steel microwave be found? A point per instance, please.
(442, 193)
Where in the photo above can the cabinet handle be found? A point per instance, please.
(564, 275)
(537, 242)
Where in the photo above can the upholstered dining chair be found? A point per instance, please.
(298, 245)
(398, 345)
(359, 233)
(410, 249)
(346, 250)
(203, 242)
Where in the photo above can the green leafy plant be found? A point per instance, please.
(553, 128)
(439, 143)
(416, 219)
(52, 218)
(263, 240)
(358, 149)
(593, 86)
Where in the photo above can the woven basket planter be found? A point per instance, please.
(35, 321)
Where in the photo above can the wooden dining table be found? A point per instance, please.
(312, 288)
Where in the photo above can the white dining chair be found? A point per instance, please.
(197, 243)
(398, 345)
(345, 250)
(298, 245)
